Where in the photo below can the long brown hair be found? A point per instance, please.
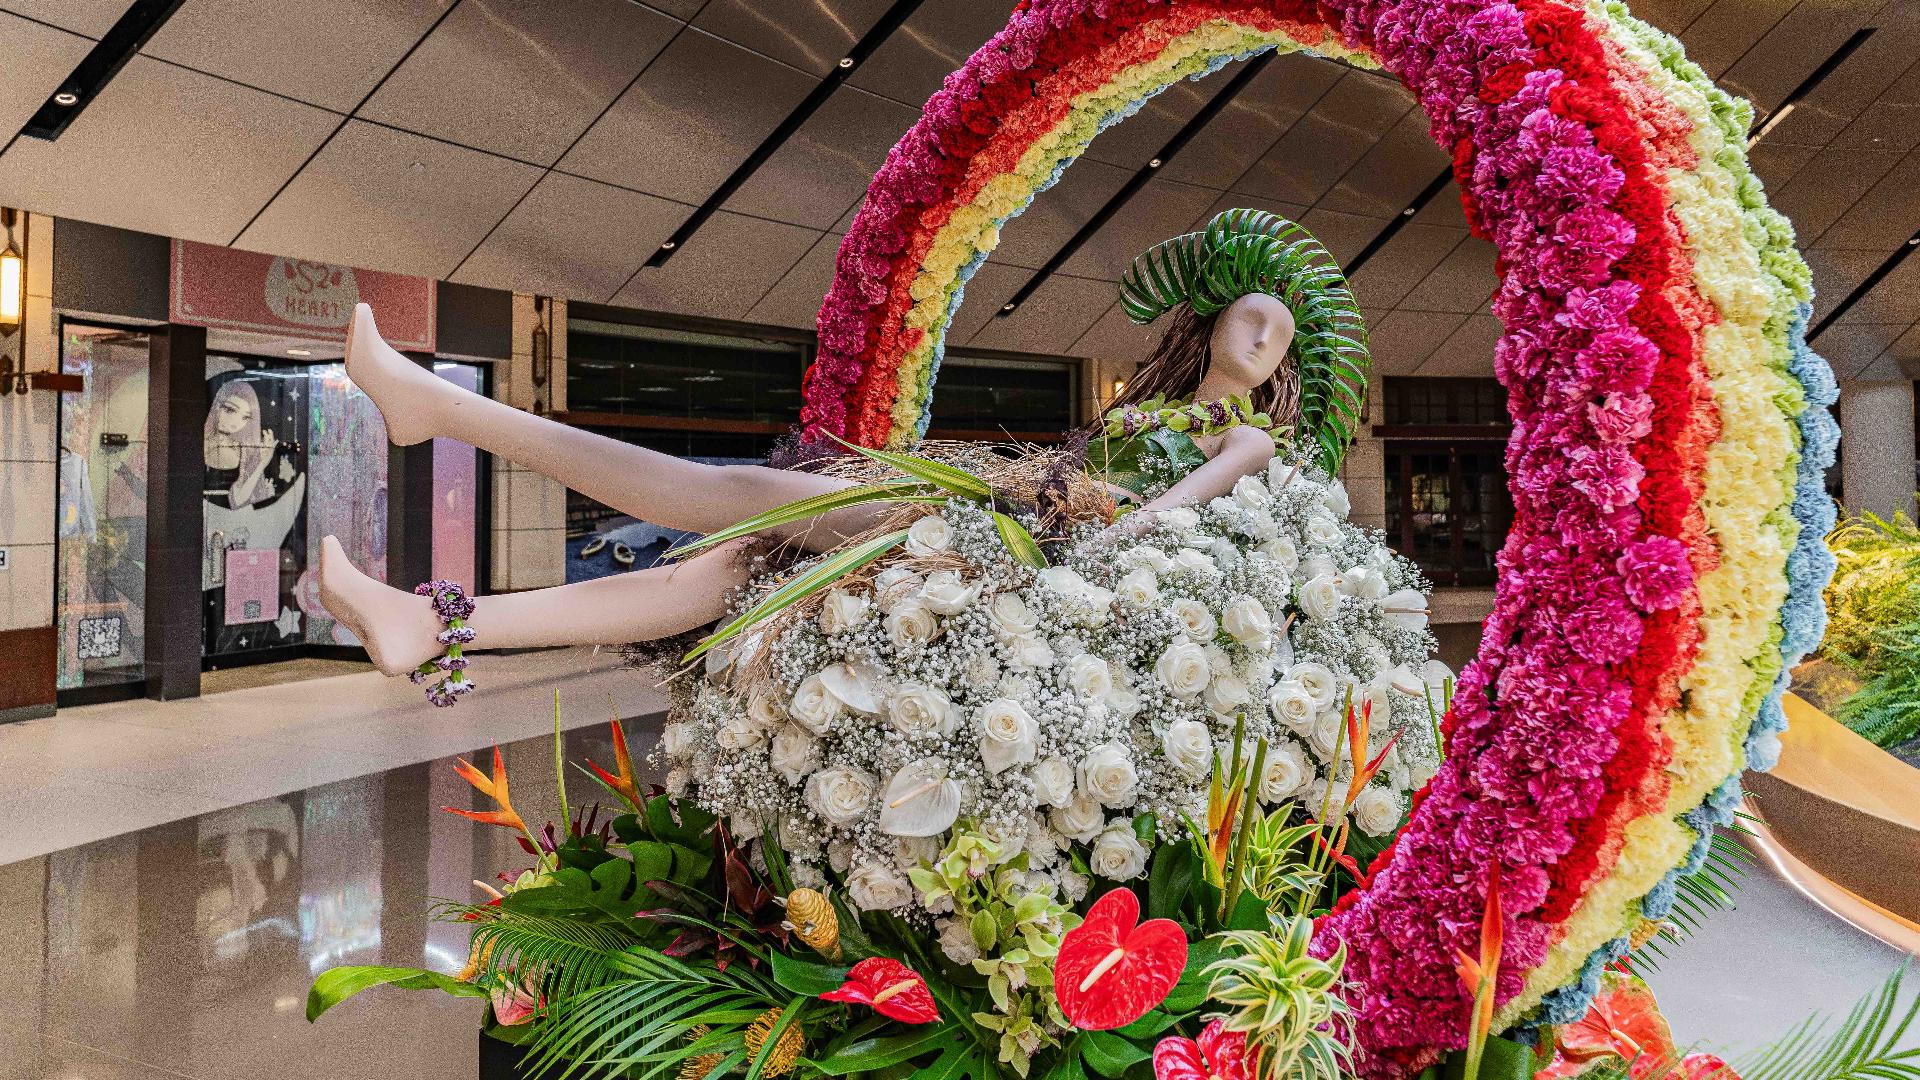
(1180, 361)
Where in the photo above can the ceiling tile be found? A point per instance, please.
(1050, 320)
(1239, 134)
(1728, 29)
(1884, 217)
(1468, 350)
(1896, 298)
(1851, 347)
(38, 58)
(1872, 72)
(1402, 264)
(574, 238)
(1133, 142)
(1670, 15)
(795, 299)
(1907, 349)
(825, 166)
(329, 53)
(390, 200)
(522, 78)
(723, 271)
(1400, 341)
(1115, 337)
(1799, 43)
(1343, 234)
(688, 121)
(1776, 164)
(1156, 212)
(911, 64)
(1393, 172)
(156, 151)
(1891, 366)
(1444, 208)
(1836, 274)
(90, 17)
(991, 286)
(812, 36)
(1462, 282)
(1234, 200)
(1828, 186)
(1322, 145)
(1058, 212)
(679, 9)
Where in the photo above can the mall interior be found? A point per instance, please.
(623, 217)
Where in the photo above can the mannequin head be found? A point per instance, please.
(1245, 348)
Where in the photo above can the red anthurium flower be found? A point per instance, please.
(1624, 1023)
(1110, 971)
(494, 787)
(893, 989)
(623, 784)
(1706, 1067)
(1217, 1054)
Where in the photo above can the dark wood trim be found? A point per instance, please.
(1447, 432)
(410, 506)
(996, 435)
(29, 666)
(594, 418)
(176, 520)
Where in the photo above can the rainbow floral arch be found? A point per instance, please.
(1670, 436)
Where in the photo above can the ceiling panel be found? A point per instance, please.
(1400, 341)
(522, 78)
(1799, 43)
(1850, 89)
(1468, 351)
(1884, 217)
(1322, 145)
(1115, 337)
(1050, 320)
(38, 57)
(679, 9)
(90, 17)
(1895, 299)
(169, 151)
(1776, 164)
(1133, 142)
(1396, 269)
(1725, 31)
(329, 53)
(1444, 208)
(795, 299)
(1837, 273)
(1157, 211)
(1393, 173)
(1890, 366)
(910, 65)
(1851, 347)
(574, 238)
(824, 167)
(1828, 185)
(1462, 282)
(1057, 213)
(1242, 131)
(991, 286)
(377, 197)
(1343, 234)
(1907, 349)
(1670, 15)
(723, 271)
(812, 36)
(686, 123)
(1234, 200)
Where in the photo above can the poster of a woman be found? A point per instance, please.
(255, 490)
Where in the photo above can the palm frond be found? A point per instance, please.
(1699, 895)
(797, 588)
(1868, 1045)
(566, 956)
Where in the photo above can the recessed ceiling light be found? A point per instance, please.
(66, 97)
(418, 166)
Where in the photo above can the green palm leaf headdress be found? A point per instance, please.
(1249, 251)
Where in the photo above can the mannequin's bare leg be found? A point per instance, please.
(400, 630)
(654, 487)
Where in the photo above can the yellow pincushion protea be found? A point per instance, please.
(786, 1050)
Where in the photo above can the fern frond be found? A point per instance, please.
(1868, 1045)
(566, 956)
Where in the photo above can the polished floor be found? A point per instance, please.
(184, 948)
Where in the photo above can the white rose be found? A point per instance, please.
(1195, 619)
(1252, 493)
(921, 710)
(676, 741)
(1328, 735)
(1319, 598)
(1314, 566)
(874, 886)
(1053, 781)
(1293, 706)
(956, 940)
(1029, 652)
(1183, 669)
(841, 795)
(766, 712)
(1377, 810)
(1286, 772)
(1376, 695)
(1106, 774)
(1062, 579)
(912, 851)
(1195, 562)
(1146, 557)
(910, 625)
(1317, 681)
(946, 594)
(794, 753)
(1334, 498)
(894, 586)
(1089, 676)
(1188, 745)
(1117, 854)
(1073, 885)
(1281, 550)
(1011, 616)
(1007, 733)
(1406, 608)
(813, 707)
(1081, 819)
(842, 611)
(1180, 519)
(678, 780)
(1322, 531)
(1139, 589)
(929, 535)
(739, 733)
(1364, 582)
(1226, 695)
(1247, 622)
(1123, 702)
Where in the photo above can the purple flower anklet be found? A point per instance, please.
(452, 604)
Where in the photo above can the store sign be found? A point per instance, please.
(228, 289)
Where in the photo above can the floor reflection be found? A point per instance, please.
(185, 950)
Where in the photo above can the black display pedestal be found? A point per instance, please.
(499, 1060)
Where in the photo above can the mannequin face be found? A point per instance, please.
(1250, 342)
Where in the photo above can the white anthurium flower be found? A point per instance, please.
(1183, 669)
(840, 795)
(814, 707)
(1403, 678)
(876, 887)
(1292, 706)
(1364, 582)
(1406, 608)
(1247, 622)
(1107, 775)
(1377, 810)
(1148, 557)
(1436, 675)
(929, 535)
(1318, 681)
(842, 611)
(1319, 598)
(1226, 695)
(1285, 773)
(1053, 781)
(1081, 819)
(1281, 474)
(1088, 676)
(1181, 519)
(1334, 498)
(1188, 746)
(920, 800)
(946, 593)
(1316, 565)
(1251, 493)
(1011, 617)
(895, 586)
(1007, 734)
(922, 711)
(793, 753)
(858, 687)
(910, 625)
(1118, 855)
(1195, 619)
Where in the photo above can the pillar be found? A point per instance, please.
(410, 507)
(29, 490)
(530, 510)
(176, 471)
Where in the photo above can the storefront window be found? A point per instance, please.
(102, 585)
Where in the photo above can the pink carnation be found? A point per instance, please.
(1656, 572)
(1621, 418)
(1608, 475)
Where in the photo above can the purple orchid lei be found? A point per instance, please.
(454, 607)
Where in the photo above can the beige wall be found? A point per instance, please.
(29, 447)
(529, 510)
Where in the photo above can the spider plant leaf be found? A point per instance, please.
(1020, 543)
(798, 588)
(336, 985)
(938, 473)
(902, 490)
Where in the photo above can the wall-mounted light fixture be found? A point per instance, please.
(1119, 387)
(542, 351)
(13, 302)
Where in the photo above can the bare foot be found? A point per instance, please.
(400, 630)
(411, 399)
